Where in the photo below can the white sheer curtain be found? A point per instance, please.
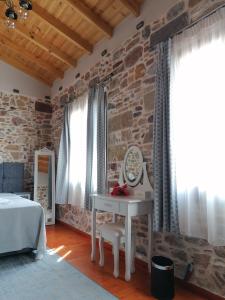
(78, 151)
(197, 127)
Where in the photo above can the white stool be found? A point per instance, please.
(115, 233)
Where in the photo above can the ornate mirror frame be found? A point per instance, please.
(140, 172)
(47, 152)
(141, 186)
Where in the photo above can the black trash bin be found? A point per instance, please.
(162, 278)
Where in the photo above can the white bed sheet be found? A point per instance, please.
(22, 224)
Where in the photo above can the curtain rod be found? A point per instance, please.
(106, 78)
(109, 76)
(198, 20)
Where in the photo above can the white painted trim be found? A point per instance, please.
(137, 180)
(45, 151)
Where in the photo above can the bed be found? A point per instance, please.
(22, 222)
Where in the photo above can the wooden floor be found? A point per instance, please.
(75, 248)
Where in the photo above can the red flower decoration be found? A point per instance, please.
(120, 190)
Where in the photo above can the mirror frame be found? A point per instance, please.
(137, 180)
(45, 151)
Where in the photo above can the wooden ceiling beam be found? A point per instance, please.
(61, 28)
(4, 40)
(132, 6)
(43, 44)
(19, 65)
(91, 17)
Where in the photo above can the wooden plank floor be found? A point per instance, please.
(75, 248)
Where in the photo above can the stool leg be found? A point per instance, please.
(101, 251)
(116, 245)
(133, 252)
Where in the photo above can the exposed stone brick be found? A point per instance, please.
(121, 121)
(149, 101)
(12, 147)
(192, 3)
(201, 259)
(113, 93)
(146, 32)
(72, 96)
(118, 54)
(132, 43)
(18, 121)
(124, 84)
(133, 56)
(180, 254)
(118, 70)
(116, 65)
(135, 85)
(2, 113)
(174, 241)
(220, 252)
(148, 137)
(111, 106)
(139, 71)
(137, 114)
(114, 83)
(117, 152)
(43, 107)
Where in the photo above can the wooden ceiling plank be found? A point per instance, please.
(91, 17)
(18, 65)
(43, 44)
(62, 28)
(132, 6)
(4, 40)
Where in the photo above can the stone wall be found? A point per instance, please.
(42, 196)
(130, 122)
(24, 127)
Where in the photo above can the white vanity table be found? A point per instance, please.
(125, 206)
(128, 206)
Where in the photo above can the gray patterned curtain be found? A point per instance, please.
(165, 202)
(62, 178)
(50, 182)
(96, 144)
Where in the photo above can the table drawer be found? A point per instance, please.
(105, 205)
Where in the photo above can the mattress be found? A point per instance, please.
(22, 225)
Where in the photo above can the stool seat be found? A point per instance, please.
(117, 229)
(114, 233)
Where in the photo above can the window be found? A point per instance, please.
(81, 167)
(78, 151)
(197, 128)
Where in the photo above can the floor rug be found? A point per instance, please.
(51, 278)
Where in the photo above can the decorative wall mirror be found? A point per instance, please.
(44, 183)
(134, 172)
(133, 162)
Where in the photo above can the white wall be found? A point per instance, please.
(151, 10)
(12, 78)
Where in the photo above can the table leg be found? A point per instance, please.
(93, 235)
(128, 247)
(150, 239)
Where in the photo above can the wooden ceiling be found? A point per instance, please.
(58, 32)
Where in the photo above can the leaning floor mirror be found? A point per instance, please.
(44, 183)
